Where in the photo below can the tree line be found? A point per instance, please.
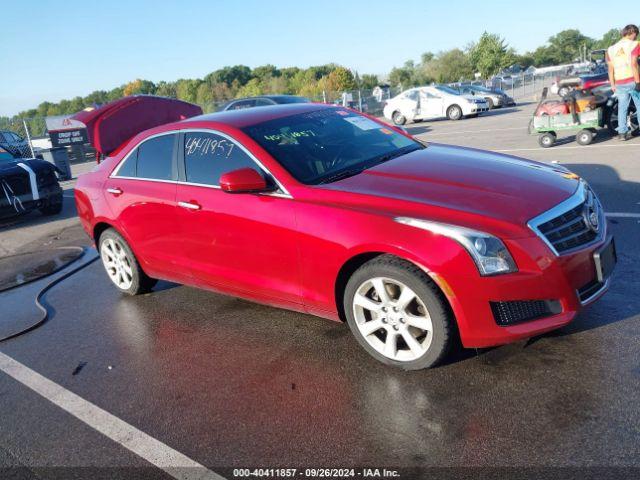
(487, 56)
(491, 54)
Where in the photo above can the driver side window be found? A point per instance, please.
(207, 156)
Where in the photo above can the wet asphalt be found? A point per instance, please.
(234, 384)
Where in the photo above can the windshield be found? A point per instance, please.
(481, 89)
(450, 90)
(329, 144)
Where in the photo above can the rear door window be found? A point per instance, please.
(155, 158)
(207, 156)
(151, 160)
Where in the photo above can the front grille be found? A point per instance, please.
(589, 290)
(516, 311)
(577, 226)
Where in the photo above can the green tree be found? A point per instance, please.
(139, 86)
(166, 89)
(251, 88)
(608, 39)
(341, 79)
(449, 66)
(490, 55)
(565, 47)
(187, 90)
(369, 81)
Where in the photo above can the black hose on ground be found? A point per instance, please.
(39, 297)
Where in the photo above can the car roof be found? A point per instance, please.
(251, 116)
(272, 97)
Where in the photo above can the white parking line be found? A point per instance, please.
(153, 451)
(559, 149)
(428, 134)
(622, 215)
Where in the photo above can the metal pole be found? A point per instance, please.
(360, 101)
(26, 129)
(324, 97)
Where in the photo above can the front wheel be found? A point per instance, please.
(490, 103)
(53, 206)
(454, 112)
(398, 118)
(585, 137)
(547, 140)
(121, 264)
(397, 314)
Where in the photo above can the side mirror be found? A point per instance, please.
(243, 180)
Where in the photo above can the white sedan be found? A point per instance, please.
(425, 103)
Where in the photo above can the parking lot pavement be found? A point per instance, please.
(228, 383)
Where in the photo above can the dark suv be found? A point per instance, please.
(262, 101)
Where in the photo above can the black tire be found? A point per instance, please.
(398, 119)
(454, 112)
(584, 137)
(612, 119)
(395, 268)
(547, 139)
(140, 281)
(490, 103)
(564, 91)
(53, 206)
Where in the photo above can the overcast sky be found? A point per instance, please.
(61, 49)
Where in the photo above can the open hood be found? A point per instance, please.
(112, 124)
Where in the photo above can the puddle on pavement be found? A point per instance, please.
(17, 270)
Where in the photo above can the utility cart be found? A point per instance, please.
(586, 124)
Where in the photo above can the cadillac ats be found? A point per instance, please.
(322, 210)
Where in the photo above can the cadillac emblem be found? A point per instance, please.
(590, 213)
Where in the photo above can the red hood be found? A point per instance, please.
(477, 182)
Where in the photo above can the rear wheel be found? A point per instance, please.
(547, 140)
(398, 118)
(121, 264)
(632, 119)
(397, 314)
(564, 91)
(454, 112)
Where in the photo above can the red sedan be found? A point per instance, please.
(322, 210)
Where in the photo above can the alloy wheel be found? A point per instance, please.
(117, 263)
(392, 319)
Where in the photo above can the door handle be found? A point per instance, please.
(189, 205)
(114, 191)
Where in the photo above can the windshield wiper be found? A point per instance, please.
(341, 175)
(395, 154)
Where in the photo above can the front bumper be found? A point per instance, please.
(21, 204)
(541, 276)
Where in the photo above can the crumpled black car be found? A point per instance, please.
(28, 184)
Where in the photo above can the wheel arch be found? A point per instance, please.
(356, 261)
(99, 228)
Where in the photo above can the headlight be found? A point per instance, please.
(488, 252)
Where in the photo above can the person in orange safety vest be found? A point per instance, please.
(624, 75)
